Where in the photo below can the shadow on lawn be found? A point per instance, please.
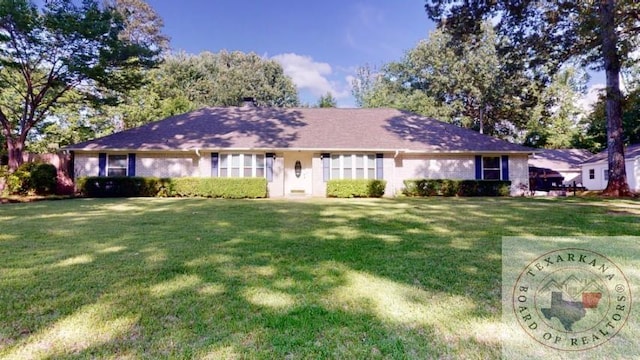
(414, 278)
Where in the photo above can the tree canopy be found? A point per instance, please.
(185, 82)
(595, 124)
(224, 78)
(327, 101)
(142, 25)
(49, 51)
(544, 35)
(555, 119)
(465, 83)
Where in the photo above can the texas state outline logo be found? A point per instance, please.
(572, 299)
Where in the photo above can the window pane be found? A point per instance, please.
(491, 168)
(117, 172)
(371, 173)
(259, 161)
(224, 165)
(248, 160)
(247, 163)
(235, 172)
(360, 166)
(347, 173)
(335, 166)
(335, 161)
(117, 165)
(259, 165)
(371, 161)
(491, 174)
(346, 161)
(119, 161)
(491, 162)
(235, 160)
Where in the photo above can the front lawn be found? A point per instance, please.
(200, 278)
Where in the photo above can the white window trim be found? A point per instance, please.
(354, 168)
(126, 167)
(592, 174)
(499, 168)
(241, 166)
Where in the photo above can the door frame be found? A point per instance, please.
(292, 184)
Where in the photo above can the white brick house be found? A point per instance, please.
(299, 150)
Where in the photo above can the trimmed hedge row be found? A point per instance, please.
(447, 187)
(355, 188)
(228, 188)
(125, 186)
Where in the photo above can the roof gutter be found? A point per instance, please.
(396, 152)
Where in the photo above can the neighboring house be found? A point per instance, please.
(299, 150)
(595, 171)
(555, 167)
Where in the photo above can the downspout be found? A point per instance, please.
(394, 187)
(197, 151)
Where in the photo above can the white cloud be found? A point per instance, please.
(350, 79)
(311, 75)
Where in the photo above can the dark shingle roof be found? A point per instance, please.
(630, 152)
(303, 128)
(560, 159)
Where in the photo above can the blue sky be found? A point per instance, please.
(319, 43)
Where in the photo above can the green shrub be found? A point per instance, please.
(10, 181)
(447, 187)
(231, 188)
(228, 188)
(21, 179)
(30, 178)
(44, 178)
(4, 172)
(347, 188)
(123, 186)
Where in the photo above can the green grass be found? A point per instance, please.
(326, 278)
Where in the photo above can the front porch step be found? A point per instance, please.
(298, 193)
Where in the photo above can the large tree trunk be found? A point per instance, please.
(15, 149)
(617, 185)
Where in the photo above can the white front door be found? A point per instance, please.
(298, 175)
